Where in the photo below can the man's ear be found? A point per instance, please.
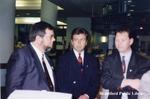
(131, 41)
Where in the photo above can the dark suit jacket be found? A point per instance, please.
(70, 79)
(24, 71)
(112, 75)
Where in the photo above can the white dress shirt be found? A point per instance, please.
(127, 60)
(49, 68)
(77, 55)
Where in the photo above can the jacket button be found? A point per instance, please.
(74, 82)
(130, 70)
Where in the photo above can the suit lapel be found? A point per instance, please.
(117, 64)
(74, 59)
(52, 67)
(86, 60)
(37, 62)
(131, 65)
(74, 63)
(50, 62)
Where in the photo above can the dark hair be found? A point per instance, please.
(125, 29)
(39, 29)
(80, 30)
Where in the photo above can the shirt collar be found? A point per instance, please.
(77, 53)
(38, 52)
(127, 55)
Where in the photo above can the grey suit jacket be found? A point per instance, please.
(24, 71)
(144, 90)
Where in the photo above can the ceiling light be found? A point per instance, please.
(103, 39)
(129, 1)
(27, 20)
(61, 23)
(65, 27)
(28, 4)
(131, 10)
(59, 8)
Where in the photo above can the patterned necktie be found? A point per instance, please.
(79, 59)
(123, 64)
(80, 62)
(50, 85)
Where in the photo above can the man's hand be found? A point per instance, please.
(85, 96)
(134, 83)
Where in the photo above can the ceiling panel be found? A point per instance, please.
(28, 4)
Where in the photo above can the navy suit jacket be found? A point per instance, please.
(70, 79)
(112, 75)
(24, 71)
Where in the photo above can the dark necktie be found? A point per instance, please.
(50, 85)
(123, 64)
(80, 59)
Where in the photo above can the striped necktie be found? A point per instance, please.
(50, 85)
(79, 59)
(123, 64)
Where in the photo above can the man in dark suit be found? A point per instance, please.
(78, 71)
(123, 69)
(27, 67)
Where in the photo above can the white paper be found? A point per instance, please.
(32, 94)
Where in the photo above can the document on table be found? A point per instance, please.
(32, 94)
